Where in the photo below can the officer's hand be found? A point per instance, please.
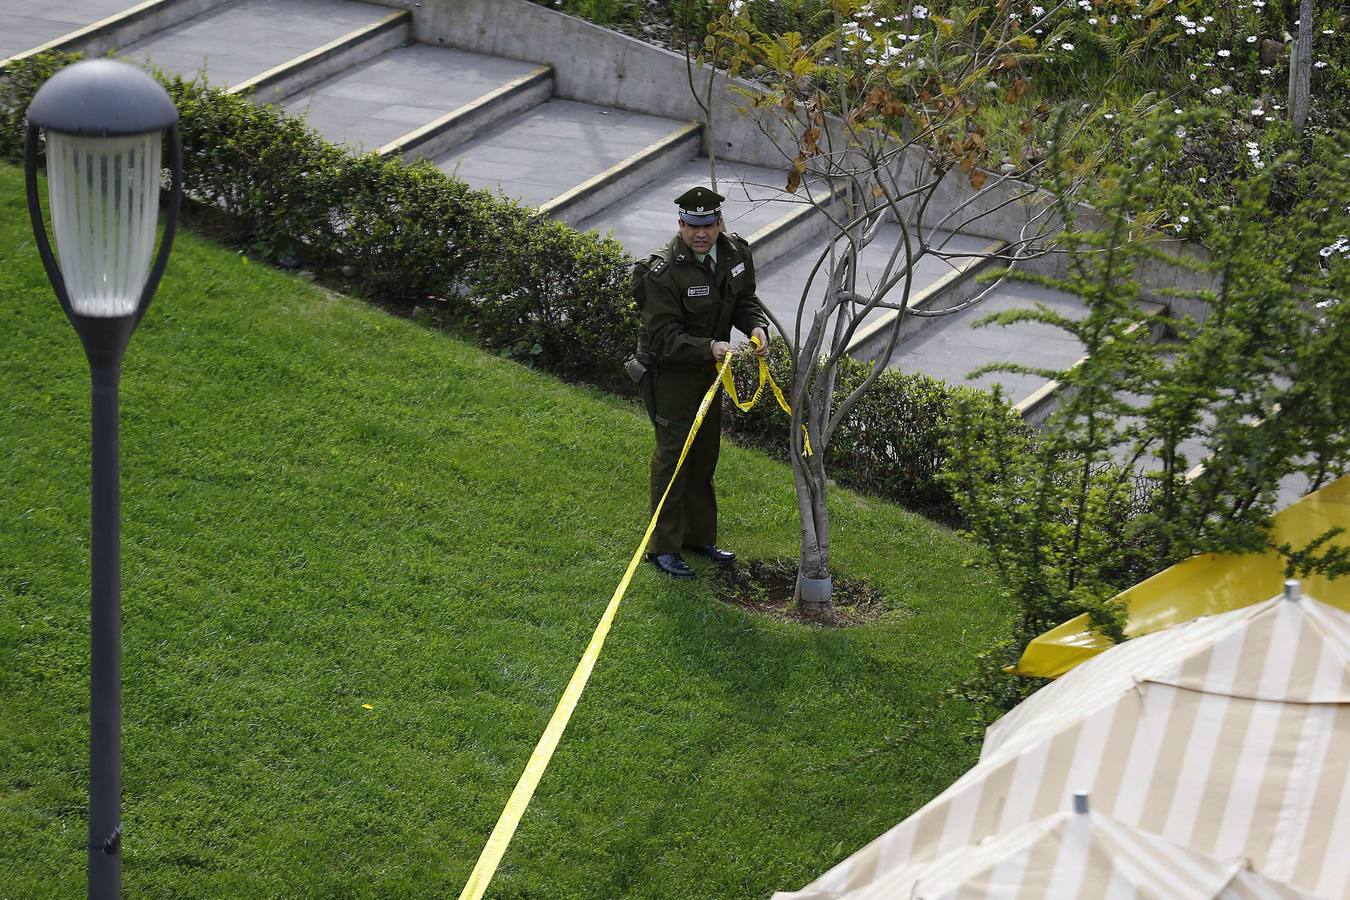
(720, 349)
(763, 348)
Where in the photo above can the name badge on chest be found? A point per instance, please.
(698, 290)
(737, 269)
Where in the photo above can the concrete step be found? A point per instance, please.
(952, 348)
(781, 284)
(1045, 396)
(418, 99)
(273, 47)
(28, 27)
(554, 148)
(619, 181)
(756, 207)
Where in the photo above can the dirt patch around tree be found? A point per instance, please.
(766, 587)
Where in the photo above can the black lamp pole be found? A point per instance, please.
(89, 111)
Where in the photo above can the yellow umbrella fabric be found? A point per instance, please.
(1205, 585)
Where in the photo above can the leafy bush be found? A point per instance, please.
(18, 83)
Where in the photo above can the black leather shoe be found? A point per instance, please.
(671, 563)
(716, 554)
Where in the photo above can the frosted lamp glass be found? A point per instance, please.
(105, 204)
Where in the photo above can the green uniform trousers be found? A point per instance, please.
(689, 517)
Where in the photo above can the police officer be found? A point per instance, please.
(696, 288)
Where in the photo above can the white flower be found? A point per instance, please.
(1258, 112)
(1215, 91)
(1200, 28)
(1092, 21)
(1204, 180)
(920, 12)
(1264, 71)
(1225, 54)
(1066, 46)
(1038, 10)
(1207, 19)
(1252, 145)
(1328, 31)
(734, 7)
(1320, 64)
(1251, 39)
(1184, 219)
(1109, 116)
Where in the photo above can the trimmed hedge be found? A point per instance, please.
(521, 283)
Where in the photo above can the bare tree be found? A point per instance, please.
(884, 136)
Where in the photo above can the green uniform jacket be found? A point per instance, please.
(686, 308)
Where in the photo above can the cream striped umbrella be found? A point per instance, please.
(1228, 735)
(1074, 855)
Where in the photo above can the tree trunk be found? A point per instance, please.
(814, 582)
(1300, 69)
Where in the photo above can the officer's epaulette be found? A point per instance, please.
(740, 240)
(657, 263)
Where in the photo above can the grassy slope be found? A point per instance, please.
(324, 507)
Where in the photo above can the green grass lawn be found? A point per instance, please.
(325, 507)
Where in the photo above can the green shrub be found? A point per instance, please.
(19, 81)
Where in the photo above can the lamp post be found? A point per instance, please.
(104, 122)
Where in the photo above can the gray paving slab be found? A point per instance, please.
(645, 219)
(553, 148)
(781, 286)
(25, 24)
(400, 91)
(239, 41)
(950, 348)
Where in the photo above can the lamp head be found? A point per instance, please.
(104, 122)
(102, 98)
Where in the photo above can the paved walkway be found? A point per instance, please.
(381, 100)
(552, 148)
(781, 289)
(25, 24)
(242, 40)
(950, 348)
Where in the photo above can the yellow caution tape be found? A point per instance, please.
(765, 377)
(505, 828)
